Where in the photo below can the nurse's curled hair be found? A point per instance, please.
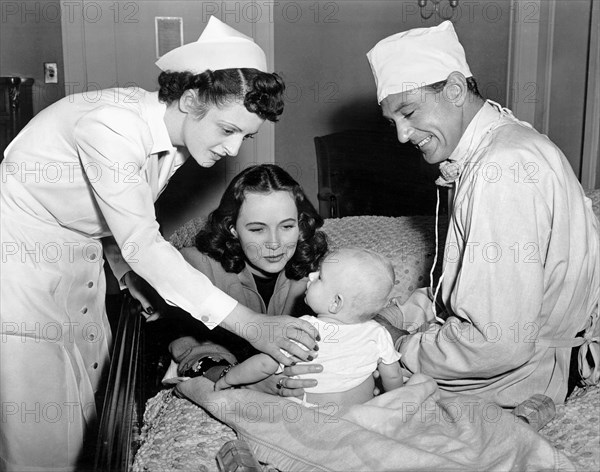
(260, 92)
(217, 241)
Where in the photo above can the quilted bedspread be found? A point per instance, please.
(179, 435)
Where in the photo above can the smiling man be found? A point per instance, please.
(520, 279)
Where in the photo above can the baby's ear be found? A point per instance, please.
(336, 304)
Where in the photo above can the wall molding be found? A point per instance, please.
(523, 50)
(263, 32)
(73, 42)
(530, 67)
(545, 67)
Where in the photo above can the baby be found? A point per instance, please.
(350, 288)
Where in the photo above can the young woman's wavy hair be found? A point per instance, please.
(217, 241)
(260, 92)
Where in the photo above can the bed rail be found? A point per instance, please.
(123, 404)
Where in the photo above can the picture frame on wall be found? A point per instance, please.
(168, 33)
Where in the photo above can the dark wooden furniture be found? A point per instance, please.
(124, 400)
(368, 172)
(16, 108)
(139, 359)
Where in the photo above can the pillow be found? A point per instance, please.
(408, 241)
(185, 235)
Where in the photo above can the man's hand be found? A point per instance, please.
(395, 332)
(284, 385)
(285, 339)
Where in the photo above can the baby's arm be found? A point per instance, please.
(391, 375)
(252, 370)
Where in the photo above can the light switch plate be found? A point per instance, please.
(50, 73)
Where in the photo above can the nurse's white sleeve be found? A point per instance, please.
(498, 290)
(112, 253)
(115, 143)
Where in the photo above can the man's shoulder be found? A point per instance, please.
(515, 145)
(517, 137)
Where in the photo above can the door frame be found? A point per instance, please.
(590, 167)
(530, 65)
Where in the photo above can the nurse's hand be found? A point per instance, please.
(143, 292)
(285, 339)
(284, 385)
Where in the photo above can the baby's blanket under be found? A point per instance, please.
(411, 428)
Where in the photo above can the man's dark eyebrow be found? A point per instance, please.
(401, 106)
(396, 110)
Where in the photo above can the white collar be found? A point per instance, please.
(481, 123)
(158, 129)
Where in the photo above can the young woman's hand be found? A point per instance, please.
(143, 292)
(285, 339)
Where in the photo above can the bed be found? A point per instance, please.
(161, 432)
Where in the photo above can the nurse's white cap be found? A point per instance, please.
(415, 58)
(218, 47)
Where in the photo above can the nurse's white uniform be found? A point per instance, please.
(84, 171)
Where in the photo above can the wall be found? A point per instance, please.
(30, 34)
(320, 49)
(570, 48)
(110, 43)
(555, 52)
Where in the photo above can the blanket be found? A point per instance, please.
(416, 427)
(178, 435)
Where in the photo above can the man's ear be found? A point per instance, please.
(456, 89)
(336, 304)
(188, 101)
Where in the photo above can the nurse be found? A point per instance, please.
(79, 185)
(521, 268)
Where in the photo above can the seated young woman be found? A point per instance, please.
(258, 246)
